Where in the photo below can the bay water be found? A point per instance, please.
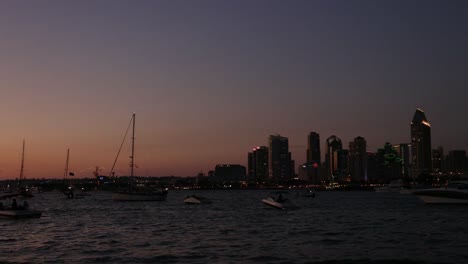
(236, 227)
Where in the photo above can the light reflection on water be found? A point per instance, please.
(334, 227)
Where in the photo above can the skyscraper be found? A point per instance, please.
(333, 147)
(358, 160)
(258, 161)
(403, 151)
(420, 144)
(279, 159)
(343, 166)
(250, 166)
(313, 161)
(313, 147)
(437, 159)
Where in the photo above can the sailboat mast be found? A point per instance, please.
(65, 173)
(22, 167)
(132, 165)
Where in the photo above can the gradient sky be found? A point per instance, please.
(209, 80)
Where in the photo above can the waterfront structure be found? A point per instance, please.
(229, 173)
(258, 165)
(334, 145)
(421, 150)
(280, 165)
(358, 160)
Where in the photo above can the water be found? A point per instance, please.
(333, 227)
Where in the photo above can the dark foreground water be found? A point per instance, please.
(333, 227)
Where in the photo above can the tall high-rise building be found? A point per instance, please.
(250, 166)
(343, 166)
(279, 159)
(457, 161)
(313, 147)
(437, 159)
(372, 167)
(358, 160)
(389, 164)
(421, 150)
(334, 145)
(313, 161)
(403, 151)
(258, 165)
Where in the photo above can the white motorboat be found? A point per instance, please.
(280, 202)
(272, 203)
(193, 199)
(455, 192)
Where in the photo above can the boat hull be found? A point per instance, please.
(443, 196)
(441, 200)
(20, 214)
(196, 200)
(192, 200)
(270, 202)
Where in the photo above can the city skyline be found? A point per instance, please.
(210, 80)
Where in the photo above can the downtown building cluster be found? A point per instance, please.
(410, 162)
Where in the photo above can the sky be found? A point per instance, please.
(210, 80)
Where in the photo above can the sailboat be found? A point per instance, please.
(23, 190)
(17, 210)
(135, 192)
(68, 189)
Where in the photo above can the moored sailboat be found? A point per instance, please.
(23, 189)
(68, 188)
(135, 192)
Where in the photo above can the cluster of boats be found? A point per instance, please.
(455, 192)
(275, 200)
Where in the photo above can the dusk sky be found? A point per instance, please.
(209, 80)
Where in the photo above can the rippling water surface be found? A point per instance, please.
(333, 227)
